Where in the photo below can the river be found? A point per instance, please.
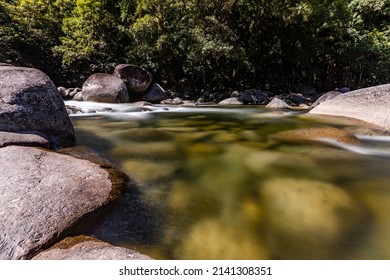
(214, 183)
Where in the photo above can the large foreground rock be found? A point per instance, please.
(102, 87)
(43, 193)
(369, 104)
(87, 248)
(30, 103)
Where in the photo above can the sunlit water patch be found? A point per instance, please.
(213, 183)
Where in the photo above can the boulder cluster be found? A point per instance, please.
(132, 83)
(45, 189)
(370, 105)
(302, 99)
(128, 83)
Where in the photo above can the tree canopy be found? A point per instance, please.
(216, 45)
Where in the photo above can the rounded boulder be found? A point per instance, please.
(136, 78)
(31, 103)
(154, 94)
(103, 87)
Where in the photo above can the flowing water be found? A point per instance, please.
(214, 183)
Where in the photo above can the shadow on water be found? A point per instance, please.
(127, 221)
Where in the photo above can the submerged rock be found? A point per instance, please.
(44, 193)
(316, 134)
(262, 161)
(156, 150)
(88, 248)
(309, 219)
(31, 103)
(146, 171)
(371, 105)
(217, 240)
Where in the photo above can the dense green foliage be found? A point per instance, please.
(215, 45)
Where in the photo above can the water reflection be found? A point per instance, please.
(212, 183)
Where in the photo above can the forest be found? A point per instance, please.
(201, 46)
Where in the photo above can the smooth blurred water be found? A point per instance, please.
(213, 183)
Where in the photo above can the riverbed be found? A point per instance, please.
(212, 182)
